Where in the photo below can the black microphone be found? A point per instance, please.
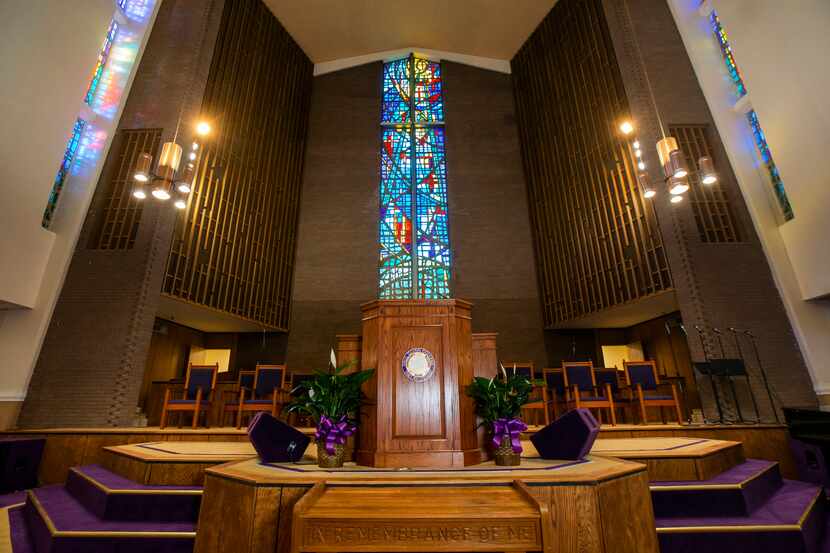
(716, 330)
(683, 328)
(697, 327)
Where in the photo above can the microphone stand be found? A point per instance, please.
(668, 328)
(712, 382)
(763, 375)
(729, 378)
(734, 332)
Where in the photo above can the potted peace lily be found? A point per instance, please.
(498, 403)
(332, 399)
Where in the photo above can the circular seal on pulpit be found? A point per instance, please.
(418, 364)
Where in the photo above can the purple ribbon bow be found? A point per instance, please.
(333, 432)
(512, 428)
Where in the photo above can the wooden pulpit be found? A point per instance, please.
(418, 413)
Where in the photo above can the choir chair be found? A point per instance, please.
(539, 395)
(581, 389)
(641, 377)
(267, 394)
(245, 380)
(196, 397)
(611, 377)
(555, 385)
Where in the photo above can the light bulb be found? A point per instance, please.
(195, 146)
(184, 188)
(180, 204)
(641, 166)
(650, 193)
(139, 194)
(636, 144)
(638, 153)
(676, 199)
(678, 187)
(192, 156)
(203, 128)
(161, 194)
(626, 127)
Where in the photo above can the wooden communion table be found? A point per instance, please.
(597, 505)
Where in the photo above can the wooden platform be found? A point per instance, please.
(172, 463)
(68, 447)
(589, 503)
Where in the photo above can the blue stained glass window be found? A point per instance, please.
(769, 163)
(726, 52)
(63, 171)
(103, 56)
(413, 184)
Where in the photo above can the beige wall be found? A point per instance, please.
(781, 53)
(49, 49)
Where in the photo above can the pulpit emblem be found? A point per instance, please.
(418, 364)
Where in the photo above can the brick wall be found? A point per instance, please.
(718, 284)
(337, 248)
(91, 365)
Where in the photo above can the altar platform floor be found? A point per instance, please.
(68, 447)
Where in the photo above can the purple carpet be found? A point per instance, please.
(761, 480)
(12, 499)
(132, 502)
(21, 542)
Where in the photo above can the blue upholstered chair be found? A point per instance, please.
(611, 377)
(555, 385)
(539, 396)
(198, 391)
(267, 394)
(641, 377)
(581, 389)
(245, 380)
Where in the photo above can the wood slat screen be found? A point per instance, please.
(120, 212)
(597, 242)
(233, 247)
(713, 214)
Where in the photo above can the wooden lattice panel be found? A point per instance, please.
(713, 214)
(596, 239)
(120, 211)
(233, 247)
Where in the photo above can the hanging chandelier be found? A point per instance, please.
(167, 181)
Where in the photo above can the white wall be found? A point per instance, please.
(48, 50)
(782, 52)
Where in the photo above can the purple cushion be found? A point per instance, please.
(258, 402)
(580, 376)
(592, 398)
(555, 381)
(200, 377)
(269, 379)
(648, 397)
(571, 436)
(188, 401)
(642, 375)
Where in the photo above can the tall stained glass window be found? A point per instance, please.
(772, 169)
(414, 258)
(63, 170)
(103, 56)
(728, 58)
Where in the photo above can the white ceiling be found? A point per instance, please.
(329, 30)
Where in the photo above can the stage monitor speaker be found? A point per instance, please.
(571, 436)
(19, 462)
(275, 441)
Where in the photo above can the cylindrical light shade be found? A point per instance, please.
(645, 184)
(142, 167)
(171, 156)
(707, 170)
(677, 163)
(666, 147)
(678, 186)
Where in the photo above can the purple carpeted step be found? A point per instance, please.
(12, 499)
(58, 523)
(113, 497)
(792, 521)
(20, 540)
(735, 492)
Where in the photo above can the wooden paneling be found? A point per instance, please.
(713, 214)
(597, 242)
(120, 212)
(233, 247)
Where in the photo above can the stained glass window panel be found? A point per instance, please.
(63, 171)
(769, 163)
(103, 56)
(429, 101)
(396, 215)
(396, 92)
(728, 58)
(433, 251)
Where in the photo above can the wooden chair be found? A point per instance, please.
(245, 379)
(198, 388)
(579, 380)
(539, 395)
(555, 385)
(611, 377)
(268, 392)
(641, 376)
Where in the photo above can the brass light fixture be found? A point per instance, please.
(167, 180)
